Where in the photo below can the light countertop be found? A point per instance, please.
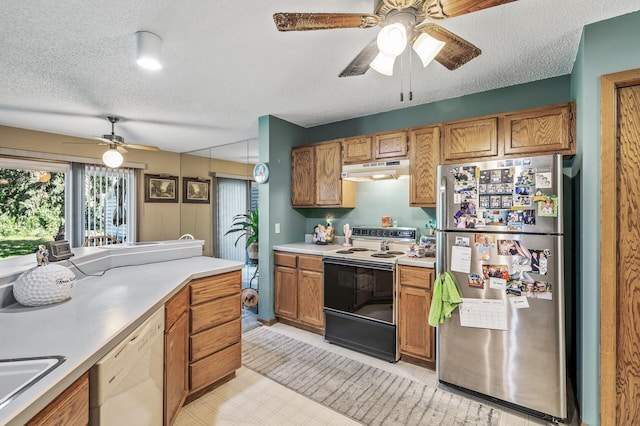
(423, 262)
(101, 312)
(307, 248)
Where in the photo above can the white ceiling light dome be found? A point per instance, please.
(112, 158)
(392, 39)
(148, 50)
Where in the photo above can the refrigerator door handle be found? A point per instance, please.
(441, 217)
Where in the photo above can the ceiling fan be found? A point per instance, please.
(117, 146)
(402, 24)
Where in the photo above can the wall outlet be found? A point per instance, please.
(277, 228)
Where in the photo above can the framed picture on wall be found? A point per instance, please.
(196, 190)
(160, 189)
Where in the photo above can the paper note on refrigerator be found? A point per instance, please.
(461, 259)
(483, 313)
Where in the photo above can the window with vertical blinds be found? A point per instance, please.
(109, 202)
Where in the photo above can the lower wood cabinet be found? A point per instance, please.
(215, 329)
(176, 354)
(299, 290)
(417, 338)
(70, 408)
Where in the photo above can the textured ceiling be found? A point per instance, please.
(66, 65)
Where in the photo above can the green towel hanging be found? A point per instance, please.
(444, 300)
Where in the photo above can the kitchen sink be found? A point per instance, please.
(18, 374)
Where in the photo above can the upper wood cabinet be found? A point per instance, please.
(316, 177)
(303, 181)
(357, 150)
(470, 139)
(377, 147)
(549, 129)
(424, 151)
(390, 145)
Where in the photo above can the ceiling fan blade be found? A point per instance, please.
(443, 9)
(456, 52)
(323, 21)
(360, 63)
(142, 147)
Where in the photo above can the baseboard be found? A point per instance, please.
(417, 361)
(296, 324)
(267, 322)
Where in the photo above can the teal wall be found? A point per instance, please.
(394, 203)
(606, 47)
(528, 95)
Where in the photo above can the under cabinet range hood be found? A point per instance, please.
(393, 169)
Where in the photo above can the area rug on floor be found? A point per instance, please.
(367, 394)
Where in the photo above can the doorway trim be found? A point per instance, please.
(609, 85)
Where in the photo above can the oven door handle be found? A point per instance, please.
(359, 263)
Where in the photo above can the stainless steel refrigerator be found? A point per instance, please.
(500, 234)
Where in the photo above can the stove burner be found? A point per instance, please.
(353, 249)
(344, 252)
(395, 252)
(385, 255)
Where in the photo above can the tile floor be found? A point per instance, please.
(252, 399)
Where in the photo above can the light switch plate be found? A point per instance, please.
(277, 228)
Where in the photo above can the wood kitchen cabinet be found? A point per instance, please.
(176, 354)
(390, 145)
(424, 143)
(550, 129)
(316, 177)
(474, 139)
(376, 147)
(299, 290)
(215, 329)
(417, 338)
(70, 408)
(357, 150)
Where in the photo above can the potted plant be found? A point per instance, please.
(247, 225)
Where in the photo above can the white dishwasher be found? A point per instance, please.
(126, 384)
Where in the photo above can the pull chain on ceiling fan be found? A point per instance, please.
(402, 24)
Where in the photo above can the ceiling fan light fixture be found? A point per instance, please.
(427, 48)
(392, 39)
(112, 158)
(148, 48)
(383, 64)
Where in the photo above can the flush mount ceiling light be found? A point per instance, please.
(148, 46)
(112, 158)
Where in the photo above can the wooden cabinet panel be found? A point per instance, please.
(70, 408)
(310, 263)
(357, 150)
(470, 139)
(311, 298)
(175, 307)
(218, 311)
(212, 340)
(205, 289)
(416, 336)
(537, 130)
(285, 259)
(214, 367)
(328, 170)
(424, 154)
(303, 172)
(286, 292)
(416, 276)
(390, 145)
(176, 362)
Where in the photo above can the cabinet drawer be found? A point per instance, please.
(310, 263)
(205, 289)
(216, 312)
(416, 276)
(214, 367)
(175, 307)
(285, 259)
(212, 340)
